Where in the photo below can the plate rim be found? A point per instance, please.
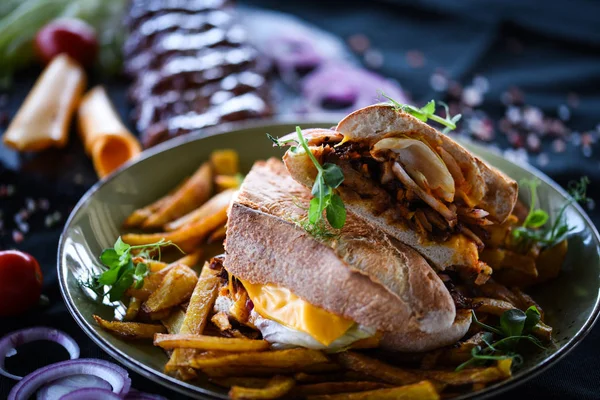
(322, 119)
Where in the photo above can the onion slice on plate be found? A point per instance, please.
(54, 390)
(117, 377)
(91, 394)
(9, 343)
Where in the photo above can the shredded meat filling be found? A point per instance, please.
(435, 219)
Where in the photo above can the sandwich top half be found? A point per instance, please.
(331, 291)
(412, 182)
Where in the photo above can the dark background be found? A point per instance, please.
(547, 52)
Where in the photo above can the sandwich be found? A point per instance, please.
(353, 289)
(412, 182)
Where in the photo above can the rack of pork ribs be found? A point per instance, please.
(191, 68)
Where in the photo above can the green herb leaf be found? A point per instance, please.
(336, 212)
(427, 112)
(121, 247)
(512, 322)
(533, 316)
(329, 177)
(332, 175)
(141, 271)
(123, 283)
(110, 258)
(537, 219)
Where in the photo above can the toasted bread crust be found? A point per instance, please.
(493, 191)
(360, 274)
(418, 341)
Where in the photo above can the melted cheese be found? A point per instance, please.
(283, 306)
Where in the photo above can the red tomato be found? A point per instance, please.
(20, 282)
(71, 36)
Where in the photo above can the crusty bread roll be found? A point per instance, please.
(359, 274)
(492, 190)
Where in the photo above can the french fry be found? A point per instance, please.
(492, 306)
(175, 288)
(245, 381)
(192, 194)
(277, 387)
(151, 283)
(423, 390)
(201, 304)
(525, 301)
(191, 259)
(174, 321)
(500, 259)
(219, 372)
(497, 291)
(218, 235)
(187, 238)
(376, 369)
(201, 342)
(225, 162)
(303, 377)
(225, 182)
(337, 387)
(542, 331)
(140, 215)
(466, 376)
(461, 353)
(293, 358)
(132, 309)
(499, 233)
(130, 330)
(213, 206)
(550, 261)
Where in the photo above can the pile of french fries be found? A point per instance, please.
(174, 308)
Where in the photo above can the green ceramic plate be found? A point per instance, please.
(571, 301)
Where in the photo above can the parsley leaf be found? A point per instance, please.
(515, 325)
(122, 272)
(427, 112)
(532, 231)
(329, 177)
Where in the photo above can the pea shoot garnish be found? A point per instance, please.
(427, 112)
(123, 273)
(532, 230)
(329, 177)
(515, 326)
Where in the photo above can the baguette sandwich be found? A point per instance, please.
(412, 182)
(329, 292)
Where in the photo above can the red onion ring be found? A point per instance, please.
(58, 388)
(91, 394)
(113, 374)
(341, 87)
(14, 339)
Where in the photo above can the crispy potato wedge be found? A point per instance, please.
(423, 390)
(226, 182)
(191, 259)
(213, 206)
(550, 261)
(225, 162)
(303, 377)
(337, 387)
(153, 265)
(192, 194)
(497, 291)
(130, 330)
(245, 381)
(187, 237)
(498, 234)
(174, 321)
(466, 376)
(175, 288)
(139, 216)
(293, 358)
(462, 351)
(201, 342)
(376, 369)
(542, 331)
(277, 387)
(132, 309)
(151, 283)
(218, 372)
(492, 306)
(201, 304)
(218, 235)
(500, 259)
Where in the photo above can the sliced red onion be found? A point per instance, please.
(345, 88)
(137, 395)
(116, 376)
(293, 55)
(10, 342)
(91, 394)
(58, 388)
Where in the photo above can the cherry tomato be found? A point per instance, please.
(20, 282)
(71, 36)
